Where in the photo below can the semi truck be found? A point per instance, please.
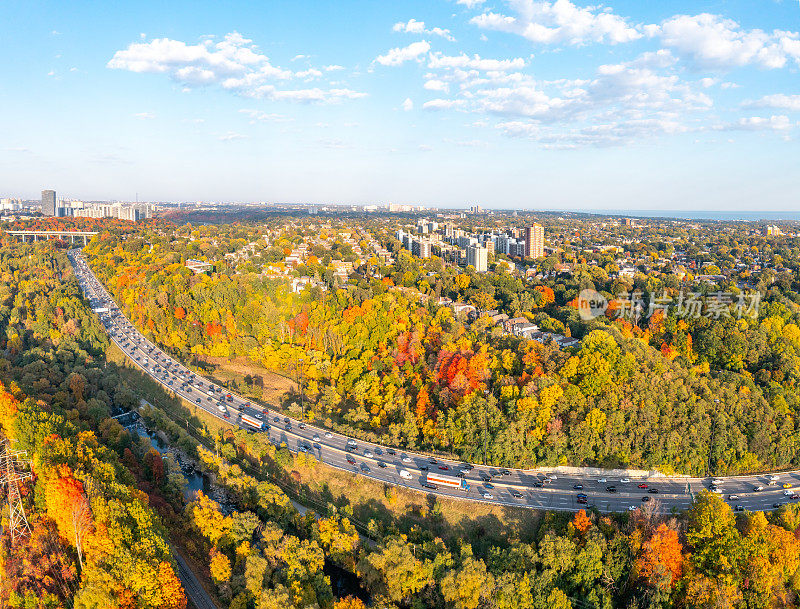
(448, 481)
(253, 419)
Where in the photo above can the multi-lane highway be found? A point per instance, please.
(522, 488)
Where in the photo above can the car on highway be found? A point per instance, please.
(391, 451)
(787, 485)
(505, 472)
(758, 489)
(624, 480)
(316, 437)
(582, 500)
(632, 508)
(611, 489)
(602, 480)
(381, 464)
(654, 491)
(777, 505)
(423, 467)
(788, 493)
(364, 467)
(733, 497)
(772, 477)
(488, 496)
(433, 487)
(739, 508)
(328, 435)
(516, 494)
(646, 498)
(432, 461)
(406, 459)
(537, 483)
(467, 467)
(368, 454)
(488, 485)
(551, 477)
(795, 496)
(577, 487)
(444, 467)
(404, 473)
(350, 460)
(643, 485)
(378, 451)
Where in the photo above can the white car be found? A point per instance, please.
(404, 473)
(552, 476)
(624, 480)
(351, 442)
(316, 437)
(631, 508)
(368, 454)
(733, 497)
(788, 493)
(407, 460)
(488, 496)
(773, 478)
(328, 435)
(601, 480)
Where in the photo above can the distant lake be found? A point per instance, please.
(747, 216)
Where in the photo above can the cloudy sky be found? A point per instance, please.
(507, 103)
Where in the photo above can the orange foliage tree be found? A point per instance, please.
(581, 522)
(661, 554)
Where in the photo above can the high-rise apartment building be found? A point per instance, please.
(49, 202)
(534, 241)
(478, 257)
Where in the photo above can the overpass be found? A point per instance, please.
(36, 235)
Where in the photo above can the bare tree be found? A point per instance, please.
(82, 523)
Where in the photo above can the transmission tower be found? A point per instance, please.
(11, 476)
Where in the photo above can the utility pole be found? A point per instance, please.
(300, 382)
(11, 477)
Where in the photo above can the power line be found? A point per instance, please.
(10, 476)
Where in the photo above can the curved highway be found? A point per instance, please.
(508, 487)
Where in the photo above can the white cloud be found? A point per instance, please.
(439, 61)
(264, 117)
(234, 63)
(230, 136)
(622, 103)
(436, 85)
(470, 3)
(408, 105)
(560, 22)
(424, 148)
(760, 123)
(713, 42)
(778, 100)
(333, 68)
(400, 55)
(418, 27)
(145, 115)
(314, 95)
(443, 104)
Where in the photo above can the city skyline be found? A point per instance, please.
(519, 104)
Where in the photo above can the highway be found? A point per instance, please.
(488, 484)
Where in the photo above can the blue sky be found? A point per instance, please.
(521, 104)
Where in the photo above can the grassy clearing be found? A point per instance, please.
(268, 387)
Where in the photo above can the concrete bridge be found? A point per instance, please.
(36, 235)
